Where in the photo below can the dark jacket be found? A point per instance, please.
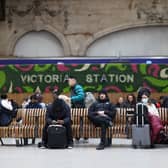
(77, 97)
(120, 105)
(34, 105)
(60, 113)
(130, 104)
(165, 102)
(100, 105)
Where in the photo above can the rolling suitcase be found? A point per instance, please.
(57, 136)
(140, 130)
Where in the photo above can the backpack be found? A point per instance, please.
(89, 99)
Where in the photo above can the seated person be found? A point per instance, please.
(40, 100)
(120, 103)
(102, 113)
(157, 129)
(34, 103)
(130, 101)
(164, 101)
(58, 113)
(8, 110)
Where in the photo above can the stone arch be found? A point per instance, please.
(20, 33)
(110, 30)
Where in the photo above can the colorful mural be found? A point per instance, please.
(114, 77)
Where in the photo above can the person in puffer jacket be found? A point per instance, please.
(102, 113)
(77, 97)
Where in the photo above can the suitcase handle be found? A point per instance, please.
(142, 105)
(55, 125)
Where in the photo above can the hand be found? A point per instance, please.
(60, 122)
(100, 113)
(54, 122)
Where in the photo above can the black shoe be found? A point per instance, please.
(42, 145)
(25, 141)
(108, 142)
(101, 146)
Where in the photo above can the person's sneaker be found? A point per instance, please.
(41, 145)
(85, 140)
(101, 146)
(70, 146)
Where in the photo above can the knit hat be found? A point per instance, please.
(103, 92)
(33, 97)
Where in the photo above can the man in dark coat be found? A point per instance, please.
(58, 113)
(102, 113)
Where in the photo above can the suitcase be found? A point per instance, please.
(140, 131)
(57, 136)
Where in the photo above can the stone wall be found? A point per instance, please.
(77, 23)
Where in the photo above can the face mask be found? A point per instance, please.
(144, 100)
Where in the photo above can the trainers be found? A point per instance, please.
(41, 145)
(101, 146)
(85, 140)
(70, 146)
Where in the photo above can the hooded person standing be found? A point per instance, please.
(102, 113)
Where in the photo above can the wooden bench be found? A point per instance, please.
(33, 121)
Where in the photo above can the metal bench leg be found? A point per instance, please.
(1, 141)
(19, 142)
(33, 140)
(25, 141)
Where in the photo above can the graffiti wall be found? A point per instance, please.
(114, 77)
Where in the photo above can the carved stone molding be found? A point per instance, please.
(33, 10)
(156, 12)
(37, 8)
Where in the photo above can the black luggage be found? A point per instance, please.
(57, 136)
(141, 130)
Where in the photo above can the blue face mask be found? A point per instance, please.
(144, 100)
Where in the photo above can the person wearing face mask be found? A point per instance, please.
(158, 135)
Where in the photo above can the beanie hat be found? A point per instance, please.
(103, 92)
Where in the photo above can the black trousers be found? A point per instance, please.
(103, 122)
(68, 133)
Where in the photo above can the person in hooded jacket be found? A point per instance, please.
(158, 134)
(58, 112)
(8, 110)
(101, 113)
